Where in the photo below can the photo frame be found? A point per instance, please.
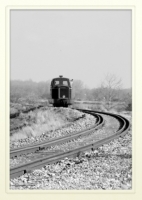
(73, 194)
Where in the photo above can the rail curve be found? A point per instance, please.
(52, 158)
(41, 145)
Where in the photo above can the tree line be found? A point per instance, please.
(110, 90)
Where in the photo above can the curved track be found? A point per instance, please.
(21, 169)
(41, 145)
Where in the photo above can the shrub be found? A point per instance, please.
(129, 107)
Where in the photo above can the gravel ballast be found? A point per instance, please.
(107, 168)
(80, 122)
(74, 143)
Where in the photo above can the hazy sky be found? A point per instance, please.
(81, 44)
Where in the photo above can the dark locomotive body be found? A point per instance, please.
(61, 92)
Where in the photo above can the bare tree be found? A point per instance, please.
(110, 89)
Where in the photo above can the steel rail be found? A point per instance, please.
(41, 145)
(124, 123)
(21, 169)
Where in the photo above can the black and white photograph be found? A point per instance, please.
(70, 100)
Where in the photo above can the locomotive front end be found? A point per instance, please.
(61, 92)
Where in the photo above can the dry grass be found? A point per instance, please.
(44, 121)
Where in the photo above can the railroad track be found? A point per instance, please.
(54, 157)
(41, 145)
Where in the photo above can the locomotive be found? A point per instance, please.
(61, 92)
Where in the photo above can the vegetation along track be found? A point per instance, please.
(54, 157)
(13, 115)
(41, 145)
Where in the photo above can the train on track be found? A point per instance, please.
(61, 92)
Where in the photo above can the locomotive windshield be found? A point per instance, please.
(60, 82)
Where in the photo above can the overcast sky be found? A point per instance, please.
(81, 44)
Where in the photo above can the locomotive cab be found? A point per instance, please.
(60, 82)
(60, 91)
